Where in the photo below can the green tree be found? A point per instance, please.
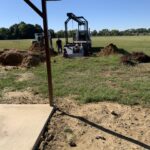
(60, 34)
(94, 33)
(104, 32)
(38, 28)
(14, 32)
(4, 33)
(26, 31)
(114, 32)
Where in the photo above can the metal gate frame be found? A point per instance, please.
(43, 15)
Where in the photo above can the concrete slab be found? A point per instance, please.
(21, 125)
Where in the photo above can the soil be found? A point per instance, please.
(31, 60)
(21, 97)
(126, 58)
(111, 49)
(97, 126)
(21, 58)
(11, 58)
(26, 77)
(135, 57)
(38, 47)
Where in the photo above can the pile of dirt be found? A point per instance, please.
(127, 58)
(30, 61)
(111, 49)
(11, 57)
(40, 48)
(134, 58)
(37, 47)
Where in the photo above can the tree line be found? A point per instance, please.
(23, 30)
(27, 31)
(20, 31)
(129, 32)
(107, 32)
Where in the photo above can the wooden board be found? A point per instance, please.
(21, 125)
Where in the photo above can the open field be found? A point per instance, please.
(131, 43)
(90, 79)
(15, 44)
(87, 92)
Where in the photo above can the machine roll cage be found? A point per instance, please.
(81, 22)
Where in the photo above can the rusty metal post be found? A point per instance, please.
(43, 15)
(48, 54)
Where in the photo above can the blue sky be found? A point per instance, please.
(111, 14)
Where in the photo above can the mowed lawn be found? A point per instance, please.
(90, 79)
(15, 44)
(130, 43)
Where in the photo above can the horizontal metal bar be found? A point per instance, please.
(34, 8)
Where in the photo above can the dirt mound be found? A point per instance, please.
(40, 48)
(37, 47)
(140, 57)
(21, 58)
(135, 57)
(111, 49)
(31, 61)
(127, 61)
(11, 58)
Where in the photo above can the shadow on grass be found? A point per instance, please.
(123, 51)
(96, 49)
(106, 130)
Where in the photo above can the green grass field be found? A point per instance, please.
(15, 44)
(90, 79)
(130, 43)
